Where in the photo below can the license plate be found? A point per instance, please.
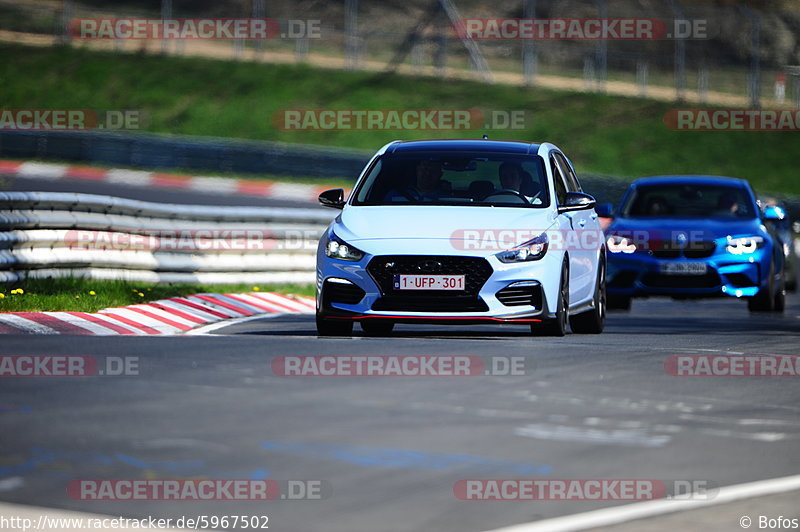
(683, 268)
(429, 282)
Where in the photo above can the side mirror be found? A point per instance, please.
(773, 213)
(605, 210)
(333, 198)
(577, 201)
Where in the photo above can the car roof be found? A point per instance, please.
(475, 145)
(691, 179)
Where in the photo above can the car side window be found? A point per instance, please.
(569, 174)
(558, 182)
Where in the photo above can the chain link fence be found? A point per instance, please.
(732, 55)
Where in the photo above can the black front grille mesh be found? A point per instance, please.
(383, 269)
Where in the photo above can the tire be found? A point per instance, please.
(593, 321)
(377, 327)
(779, 303)
(617, 302)
(556, 326)
(764, 300)
(334, 327)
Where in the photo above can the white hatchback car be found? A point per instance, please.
(463, 231)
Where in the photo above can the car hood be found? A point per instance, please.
(693, 228)
(411, 222)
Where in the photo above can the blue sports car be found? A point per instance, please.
(693, 236)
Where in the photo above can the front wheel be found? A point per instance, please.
(328, 327)
(593, 321)
(556, 326)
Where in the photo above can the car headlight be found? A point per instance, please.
(744, 244)
(336, 248)
(620, 244)
(533, 249)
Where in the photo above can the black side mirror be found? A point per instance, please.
(333, 198)
(577, 201)
(605, 210)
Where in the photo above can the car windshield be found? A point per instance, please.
(455, 179)
(686, 200)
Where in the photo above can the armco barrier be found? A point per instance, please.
(149, 150)
(45, 234)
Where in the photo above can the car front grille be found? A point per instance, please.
(690, 250)
(475, 269)
(658, 280)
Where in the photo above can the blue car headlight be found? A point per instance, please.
(533, 249)
(336, 248)
(744, 244)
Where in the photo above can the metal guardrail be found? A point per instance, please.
(45, 234)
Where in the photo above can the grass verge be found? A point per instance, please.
(82, 295)
(198, 96)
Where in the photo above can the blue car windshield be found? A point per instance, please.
(455, 178)
(685, 200)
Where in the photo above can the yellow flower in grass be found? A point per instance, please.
(256, 289)
(2, 295)
(92, 293)
(141, 294)
(77, 297)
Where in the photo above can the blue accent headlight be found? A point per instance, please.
(336, 248)
(533, 249)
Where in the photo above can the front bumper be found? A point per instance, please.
(639, 274)
(496, 292)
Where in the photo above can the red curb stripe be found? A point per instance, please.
(156, 317)
(192, 304)
(9, 167)
(225, 304)
(135, 325)
(253, 304)
(54, 323)
(279, 305)
(86, 172)
(180, 314)
(170, 180)
(255, 188)
(89, 317)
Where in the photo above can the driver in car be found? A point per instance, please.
(428, 186)
(511, 179)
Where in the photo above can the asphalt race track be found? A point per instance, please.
(390, 449)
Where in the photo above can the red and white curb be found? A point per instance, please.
(174, 316)
(138, 178)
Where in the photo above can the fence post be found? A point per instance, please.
(754, 77)
(641, 76)
(66, 16)
(166, 13)
(351, 34)
(602, 49)
(529, 58)
(680, 55)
